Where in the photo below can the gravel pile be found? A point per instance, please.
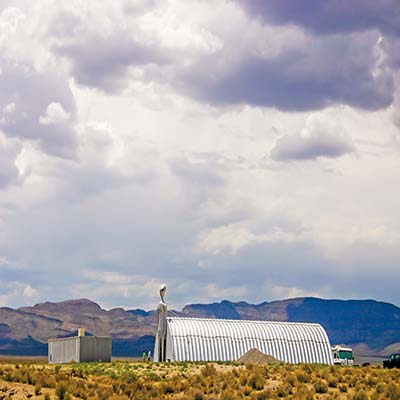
(255, 356)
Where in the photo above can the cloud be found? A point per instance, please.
(99, 56)
(319, 138)
(139, 143)
(13, 291)
(235, 237)
(25, 95)
(309, 76)
(271, 66)
(327, 18)
(33, 88)
(104, 62)
(9, 172)
(55, 114)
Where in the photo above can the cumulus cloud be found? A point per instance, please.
(24, 109)
(333, 17)
(269, 66)
(13, 291)
(55, 114)
(9, 150)
(307, 77)
(319, 138)
(235, 237)
(101, 55)
(161, 115)
(104, 62)
(35, 97)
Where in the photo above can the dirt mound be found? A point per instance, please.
(255, 356)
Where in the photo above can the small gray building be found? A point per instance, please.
(79, 349)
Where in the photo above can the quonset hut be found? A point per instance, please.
(200, 339)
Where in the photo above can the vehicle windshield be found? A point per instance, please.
(345, 354)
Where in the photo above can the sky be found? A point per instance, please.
(233, 149)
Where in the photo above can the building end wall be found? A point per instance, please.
(79, 349)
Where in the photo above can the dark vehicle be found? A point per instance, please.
(392, 361)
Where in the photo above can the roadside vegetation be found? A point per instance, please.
(197, 381)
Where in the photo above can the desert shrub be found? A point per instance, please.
(263, 395)
(256, 382)
(228, 395)
(304, 394)
(332, 382)
(343, 388)
(8, 377)
(243, 379)
(324, 373)
(320, 386)
(208, 370)
(198, 396)
(282, 391)
(380, 388)
(352, 381)
(392, 392)
(307, 368)
(372, 381)
(291, 380)
(38, 389)
(168, 388)
(361, 395)
(247, 390)
(302, 377)
(61, 390)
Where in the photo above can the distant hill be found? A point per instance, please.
(353, 322)
(367, 324)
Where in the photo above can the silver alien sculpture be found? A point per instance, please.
(162, 325)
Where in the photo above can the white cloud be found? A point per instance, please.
(321, 137)
(235, 237)
(30, 294)
(139, 145)
(17, 291)
(9, 172)
(55, 114)
(8, 109)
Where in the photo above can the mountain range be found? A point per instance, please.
(371, 327)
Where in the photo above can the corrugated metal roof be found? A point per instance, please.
(200, 339)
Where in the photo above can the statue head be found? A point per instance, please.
(163, 289)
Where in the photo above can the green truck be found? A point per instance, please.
(393, 361)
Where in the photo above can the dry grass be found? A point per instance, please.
(201, 381)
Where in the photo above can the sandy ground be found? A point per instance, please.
(21, 391)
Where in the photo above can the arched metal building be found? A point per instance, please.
(198, 339)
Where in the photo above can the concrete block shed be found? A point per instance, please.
(79, 349)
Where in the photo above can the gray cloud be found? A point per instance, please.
(315, 140)
(338, 69)
(97, 59)
(9, 149)
(223, 220)
(104, 62)
(312, 74)
(204, 173)
(335, 16)
(296, 147)
(25, 95)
